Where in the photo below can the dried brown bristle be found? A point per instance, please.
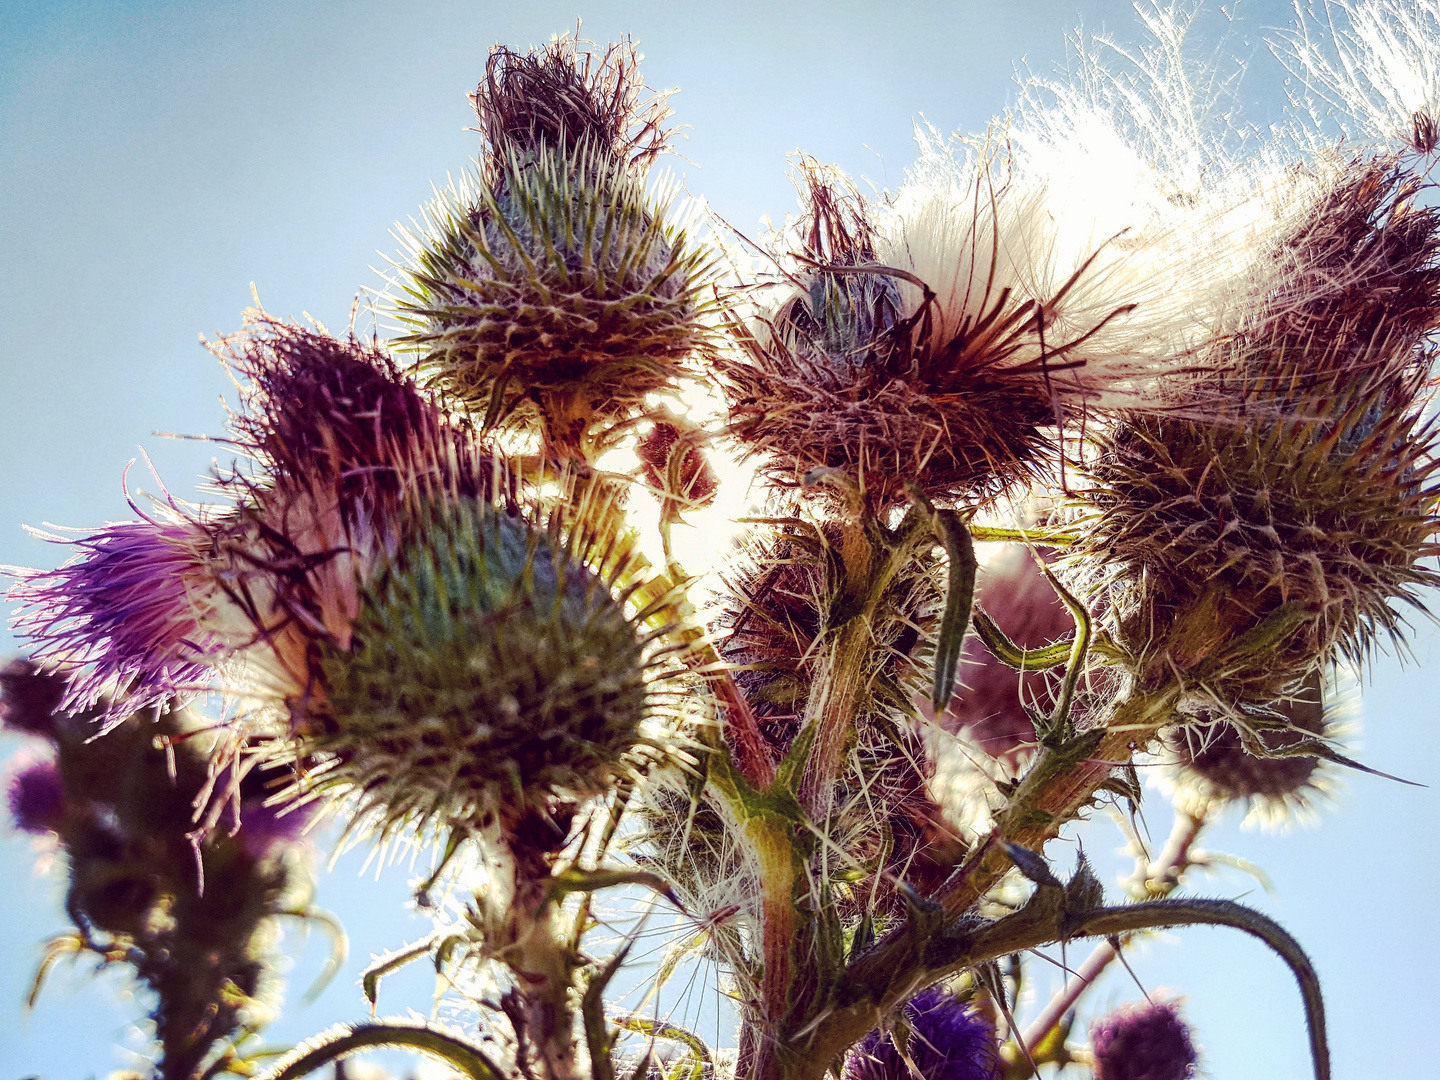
(1310, 498)
(569, 98)
(840, 378)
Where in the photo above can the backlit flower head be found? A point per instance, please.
(947, 1041)
(992, 701)
(488, 664)
(1246, 549)
(127, 613)
(1143, 1041)
(548, 292)
(945, 338)
(676, 467)
(1215, 761)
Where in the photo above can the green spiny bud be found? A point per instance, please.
(487, 665)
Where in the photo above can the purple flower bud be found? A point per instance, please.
(947, 1042)
(37, 796)
(128, 609)
(1143, 1041)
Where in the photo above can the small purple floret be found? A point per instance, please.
(37, 797)
(264, 828)
(947, 1042)
(124, 610)
(1143, 1042)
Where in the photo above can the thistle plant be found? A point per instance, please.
(1047, 493)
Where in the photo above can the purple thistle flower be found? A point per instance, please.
(37, 796)
(1143, 1041)
(128, 609)
(947, 1042)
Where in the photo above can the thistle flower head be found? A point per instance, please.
(1241, 758)
(947, 1041)
(567, 98)
(1143, 1042)
(345, 447)
(946, 339)
(548, 292)
(486, 663)
(675, 466)
(37, 796)
(128, 613)
(1246, 549)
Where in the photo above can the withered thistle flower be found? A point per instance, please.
(941, 340)
(321, 410)
(1245, 549)
(1143, 1041)
(129, 614)
(947, 1041)
(549, 290)
(568, 99)
(487, 663)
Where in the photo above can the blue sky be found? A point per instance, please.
(158, 159)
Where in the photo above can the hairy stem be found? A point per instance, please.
(342, 1041)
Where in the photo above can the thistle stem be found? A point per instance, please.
(1166, 874)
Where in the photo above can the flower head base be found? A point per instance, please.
(486, 662)
(947, 1042)
(1247, 550)
(1143, 1042)
(129, 611)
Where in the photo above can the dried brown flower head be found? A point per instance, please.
(568, 98)
(675, 466)
(918, 345)
(1244, 550)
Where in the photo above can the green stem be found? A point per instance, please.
(343, 1040)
